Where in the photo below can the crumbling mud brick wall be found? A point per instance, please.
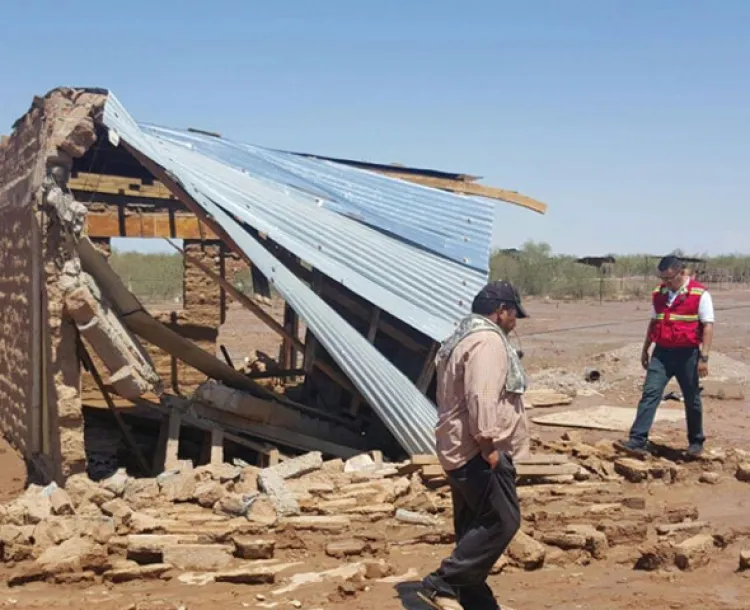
(39, 370)
(236, 270)
(70, 131)
(20, 176)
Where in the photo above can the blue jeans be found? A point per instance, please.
(486, 516)
(681, 363)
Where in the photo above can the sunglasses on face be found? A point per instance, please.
(670, 278)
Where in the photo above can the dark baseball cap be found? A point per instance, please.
(500, 290)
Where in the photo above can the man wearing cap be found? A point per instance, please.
(682, 328)
(481, 428)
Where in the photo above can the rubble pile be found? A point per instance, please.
(242, 524)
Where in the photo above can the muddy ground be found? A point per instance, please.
(575, 333)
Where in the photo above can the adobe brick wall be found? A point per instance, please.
(34, 247)
(21, 170)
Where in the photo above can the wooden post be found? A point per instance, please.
(273, 457)
(428, 370)
(217, 446)
(171, 456)
(311, 343)
(160, 453)
(289, 351)
(223, 276)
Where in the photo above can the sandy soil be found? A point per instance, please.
(576, 332)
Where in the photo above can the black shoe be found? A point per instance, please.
(695, 450)
(632, 447)
(438, 602)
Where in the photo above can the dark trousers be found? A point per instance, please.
(486, 516)
(681, 363)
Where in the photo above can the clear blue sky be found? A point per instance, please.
(630, 118)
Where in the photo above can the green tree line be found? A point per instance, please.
(534, 268)
(537, 271)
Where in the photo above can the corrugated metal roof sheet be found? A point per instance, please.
(427, 291)
(454, 226)
(403, 409)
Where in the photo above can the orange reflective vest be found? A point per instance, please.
(677, 325)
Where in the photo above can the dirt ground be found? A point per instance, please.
(563, 336)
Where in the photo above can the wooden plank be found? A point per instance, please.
(552, 458)
(470, 188)
(424, 459)
(533, 470)
(432, 471)
(545, 398)
(435, 471)
(118, 185)
(177, 225)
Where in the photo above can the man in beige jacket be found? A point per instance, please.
(481, 428)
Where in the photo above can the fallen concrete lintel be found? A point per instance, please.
(132, 373)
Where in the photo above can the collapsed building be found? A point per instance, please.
(375, 264)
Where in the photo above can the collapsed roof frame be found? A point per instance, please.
(431, 240)
(211, 186)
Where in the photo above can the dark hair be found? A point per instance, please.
(484, 306)
(671, 263)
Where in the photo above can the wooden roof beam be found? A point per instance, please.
(468, 188)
